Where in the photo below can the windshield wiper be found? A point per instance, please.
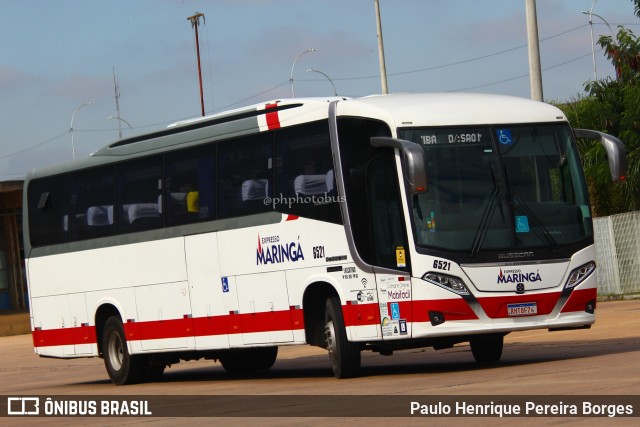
(538, 227)
(483, 227)
(494, 199)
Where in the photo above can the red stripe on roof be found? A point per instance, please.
(273, 121)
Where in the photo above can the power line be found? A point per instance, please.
(521, 76)
(34, 146)
(464, 61)
(355, 78)
(253, 96)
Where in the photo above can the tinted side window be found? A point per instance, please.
(305, 175)
(189, 190)
(139, 188)
(92, 194)
(245, 175)
(357, 153)
(48, 200)
(385, 208)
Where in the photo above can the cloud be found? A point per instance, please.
(81, 87)
(12, 77)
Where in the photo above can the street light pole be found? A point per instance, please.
(311, 49)
(195, 23)
(383, 67)
(535, 69)
(73, 116)
(313, 70)
(593, 46)
(120, 119)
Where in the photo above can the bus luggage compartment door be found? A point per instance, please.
(263, 303)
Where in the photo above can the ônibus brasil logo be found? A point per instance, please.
(271, 251)
(517, 276)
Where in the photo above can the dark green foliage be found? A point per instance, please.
(612, 106)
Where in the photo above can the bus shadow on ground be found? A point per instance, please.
(419, 361)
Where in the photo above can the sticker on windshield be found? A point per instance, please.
(504, 136)
(522, 224)
(400, 259)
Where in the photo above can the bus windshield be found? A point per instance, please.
(498, 188)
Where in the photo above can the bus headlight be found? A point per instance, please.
(579, 274)
(450, 283)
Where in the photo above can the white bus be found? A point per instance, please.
(380, 223)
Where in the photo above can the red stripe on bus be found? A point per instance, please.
(496, 307)
(579, 299)
(273, 121)
(64, 336)
(411, 311)
(285, 320)
(159, 329)
(360, 314)
(293, 318)
(452, 309)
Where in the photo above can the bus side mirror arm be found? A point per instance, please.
(616, 153)
(413, 156)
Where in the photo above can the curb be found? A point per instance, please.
(621, 297)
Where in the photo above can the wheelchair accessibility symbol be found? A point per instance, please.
(522, 224)
(395, 311)
(504, 136)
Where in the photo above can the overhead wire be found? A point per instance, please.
(440, 66)
(15, 153)
(521, 76)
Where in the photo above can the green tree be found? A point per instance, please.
(612, 106)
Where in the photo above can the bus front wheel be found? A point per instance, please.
(343, 354)
(487, 348)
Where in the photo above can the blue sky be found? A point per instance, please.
(57, 54)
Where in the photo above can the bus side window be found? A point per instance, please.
(244, 175)
(385, 207)
(48, 210)
(91, 211)
(189, 190)
(357, 153)
(138, 193)
(305, 173)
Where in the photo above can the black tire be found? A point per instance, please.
(343, 354)
(153, 372)
(122, 367)
(250, 359)
(487, 349)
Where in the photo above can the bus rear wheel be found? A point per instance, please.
(250, 359)
(487, 349)
(122, 367)
(343, 354)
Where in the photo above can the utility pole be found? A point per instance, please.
(535, 69)
(195, 23)
(117, 90)
(383, 67)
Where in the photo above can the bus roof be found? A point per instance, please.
(450, 109)
(399, 110)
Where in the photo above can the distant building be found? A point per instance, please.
(12, 272)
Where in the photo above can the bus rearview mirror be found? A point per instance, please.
(413, 157)
(616, 153)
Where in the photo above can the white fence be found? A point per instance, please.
(617, 240)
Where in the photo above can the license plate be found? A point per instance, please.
(522, 309)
